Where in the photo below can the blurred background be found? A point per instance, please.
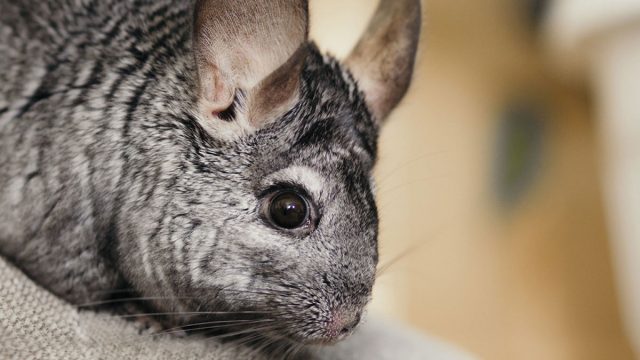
(509, 178)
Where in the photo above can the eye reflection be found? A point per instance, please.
(288, 210)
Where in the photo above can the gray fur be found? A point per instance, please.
(108, 181)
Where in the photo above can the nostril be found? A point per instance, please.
(349, 327)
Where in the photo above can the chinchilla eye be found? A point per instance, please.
(288, 210)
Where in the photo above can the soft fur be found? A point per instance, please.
(109, 180)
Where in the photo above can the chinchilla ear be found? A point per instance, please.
(383, 60)
(249, 57)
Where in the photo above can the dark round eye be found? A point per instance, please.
(288, 210)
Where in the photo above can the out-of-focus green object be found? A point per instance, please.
(519, 149)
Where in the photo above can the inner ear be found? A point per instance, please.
(279, 91)
(216, 89)
(241, 45)
(237, 106)
(383, 60)
(230, 113)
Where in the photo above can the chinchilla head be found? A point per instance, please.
(270, 209)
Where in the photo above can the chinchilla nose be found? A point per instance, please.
(349, 326)
(343, 323)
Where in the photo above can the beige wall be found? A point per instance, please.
(531, 282)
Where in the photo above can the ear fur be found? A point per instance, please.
(383, 60)
(247, 47)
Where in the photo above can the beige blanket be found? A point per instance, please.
(34, 324)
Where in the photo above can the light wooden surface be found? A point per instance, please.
(532, 281)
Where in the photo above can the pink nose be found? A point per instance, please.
(342, 323)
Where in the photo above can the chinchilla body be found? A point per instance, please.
(94, 136)
(139, 151)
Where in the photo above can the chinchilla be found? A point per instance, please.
(203, 154)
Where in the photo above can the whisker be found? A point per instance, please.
(288, 352)
(266, 343)
(385, 177)
(232, 334)
(386, 191)
(282, 349)
(193, 313)
(202, 326)
(178, 330)
(409, 251)
(133, 299)
(250, 338)
(114, 291)
(382, 269)
(195, 326)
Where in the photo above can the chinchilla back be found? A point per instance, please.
(76, 75)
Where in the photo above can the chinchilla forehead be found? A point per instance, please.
(329, 129)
